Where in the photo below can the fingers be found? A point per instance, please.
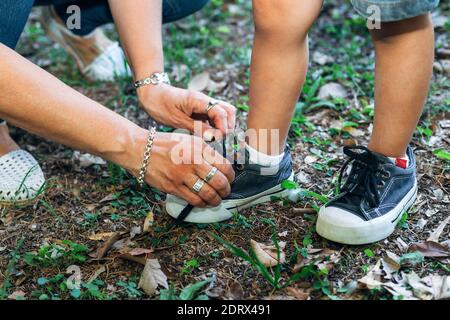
(185, 193)
(206, 193)
(222, 116)
(230, 111)
(217, 160)
(218, 182)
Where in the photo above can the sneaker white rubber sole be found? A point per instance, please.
(225, 211)
(361, 232)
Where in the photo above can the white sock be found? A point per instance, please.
(263, 159)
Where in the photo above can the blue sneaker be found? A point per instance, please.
(372, 200)
(253, 184)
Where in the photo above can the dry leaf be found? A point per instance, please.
(103, 249)
(100, 236)
(87, 160)
(97, 272)
(437, 233)
(332, 90)
(199, 82)
(299, 294)
(268, 255)
(354, 132)
(148, 223)
(391, 263)
(152, 277)
(420, 290)
(17, 294)
(430, 249)
(139, 251)
(235, 292)
(372, 279)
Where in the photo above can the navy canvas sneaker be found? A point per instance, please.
(372, 200)
(253, 184)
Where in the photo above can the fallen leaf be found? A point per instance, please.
(103, 249)
(108, 198)
(135, 231)
(391, 263)
(420, 290)
(440, 286)
(87, 160)
(354, 132)
(215, 86)
(299, 294)
(321, 58)
(100, 236)
(332, 90)
(268, 255)
(372, 280)
(97, 272)
(199, 82)
(148, 223)
(235, 291)
(17, 295)
(430, 249)
(437, 233)
(139, 251)
(152, 277)
(310, 159)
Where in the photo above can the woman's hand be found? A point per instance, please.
(177, 161)
(180, 108)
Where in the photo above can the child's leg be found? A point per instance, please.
(7, 144)
(404, 64)
(279, 65)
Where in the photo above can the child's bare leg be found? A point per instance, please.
(7, 144)
(404, 64)
(279, 65)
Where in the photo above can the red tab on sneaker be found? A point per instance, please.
(402, 163)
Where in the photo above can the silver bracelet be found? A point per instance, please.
(147, 154)
(156, 78)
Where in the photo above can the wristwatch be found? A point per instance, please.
(156, 78)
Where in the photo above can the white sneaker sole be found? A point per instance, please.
(225, 211)
(368, 231)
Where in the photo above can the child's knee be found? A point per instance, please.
(290, 19)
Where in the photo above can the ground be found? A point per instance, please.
(64, 227)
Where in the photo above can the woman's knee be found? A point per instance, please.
(288, 18)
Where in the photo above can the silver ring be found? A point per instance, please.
(211, 105)
(211, 174)
(197, 187)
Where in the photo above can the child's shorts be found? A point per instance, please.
(393, 10)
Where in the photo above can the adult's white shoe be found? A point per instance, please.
(21, 178)
(97, 57)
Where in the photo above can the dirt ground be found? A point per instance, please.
(82, 202)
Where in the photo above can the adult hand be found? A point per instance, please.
(178, 160)
(180, 108)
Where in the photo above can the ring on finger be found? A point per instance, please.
(198, 185)
(211, 105)
(211, 174)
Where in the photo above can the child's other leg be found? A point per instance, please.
(404, 64)
(279, 65)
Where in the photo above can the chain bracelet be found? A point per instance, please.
(156, 78)
(147, 154)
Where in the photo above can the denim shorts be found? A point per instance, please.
(393, 10)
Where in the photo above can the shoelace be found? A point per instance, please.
(367, 175)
